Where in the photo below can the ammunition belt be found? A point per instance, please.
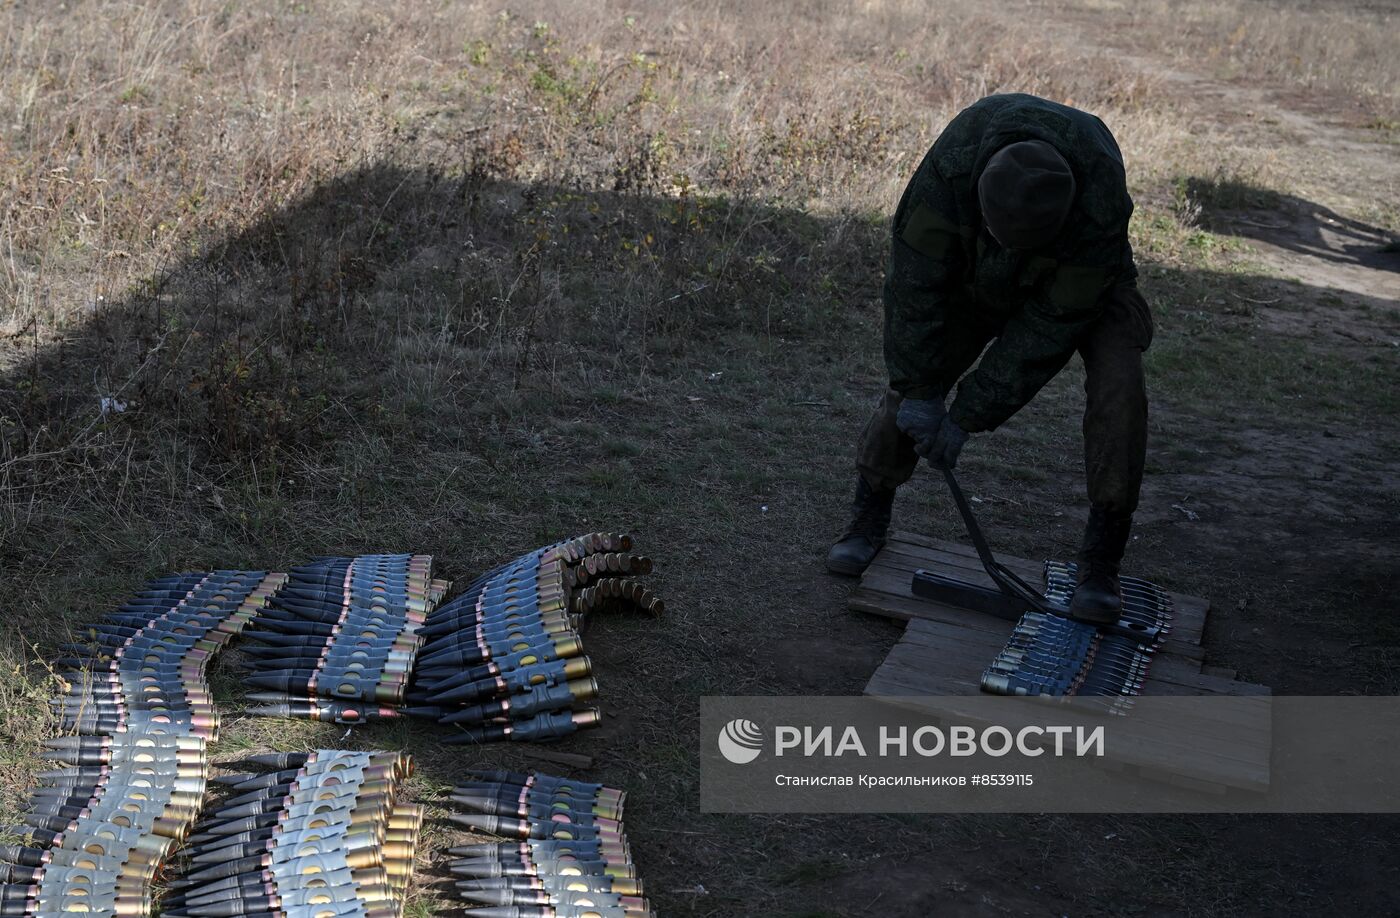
(137, 704)
(345, 630)
(566, 856)
(321, 835)
(504, 659)
(1057, 657)
(356, 640)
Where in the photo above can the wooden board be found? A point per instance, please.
(1212, 754)
(945, 650)
(884, 590)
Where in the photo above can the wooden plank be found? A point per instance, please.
(942, 646)
(941, 658)
(1191, 784)
(885, 588)
(1154, 753)
(908, 552)
(1159, 753)
(1029, 569)
(886, 593)
(1173, 669)
(1242, 731)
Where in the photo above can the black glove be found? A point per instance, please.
(947, 443)
(919, 419)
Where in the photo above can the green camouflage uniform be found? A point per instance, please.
(950, 289)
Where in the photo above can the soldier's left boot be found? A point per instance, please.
(1098, 598)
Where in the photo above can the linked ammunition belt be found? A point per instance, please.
(322, 835)
(566, 856)
(339, 641)
(135, 698)
(504, 659)
(1058, 657)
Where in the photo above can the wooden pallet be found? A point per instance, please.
(945, 649)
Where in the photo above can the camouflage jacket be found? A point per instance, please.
(950, 288)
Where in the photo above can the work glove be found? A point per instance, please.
(947, 443)
(919, 419)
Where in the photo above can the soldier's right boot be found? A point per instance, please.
(1098, 597)
(870, 522)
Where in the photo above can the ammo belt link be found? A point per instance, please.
(1052, 656)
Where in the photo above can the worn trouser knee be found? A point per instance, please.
(1115, 410)
(885, 456)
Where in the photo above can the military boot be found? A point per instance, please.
(1098, 599)
(870, 520)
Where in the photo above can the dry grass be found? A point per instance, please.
(446, 278)
(1343, 49)
(136, 131)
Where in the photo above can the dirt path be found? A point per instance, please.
(1345, 167)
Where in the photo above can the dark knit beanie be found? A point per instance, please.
(1026, 191)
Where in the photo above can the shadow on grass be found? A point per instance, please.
(391, 286)
(1237, 208)
(409, 295)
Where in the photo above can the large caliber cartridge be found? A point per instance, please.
(571, 856)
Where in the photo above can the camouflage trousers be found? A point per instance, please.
(1115, 411)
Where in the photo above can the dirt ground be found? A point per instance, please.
(436, 343)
